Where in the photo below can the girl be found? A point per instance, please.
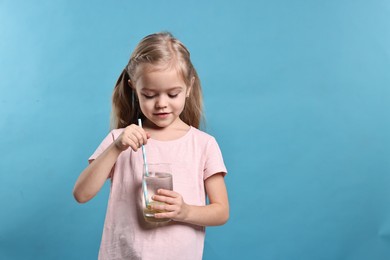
(160, 86)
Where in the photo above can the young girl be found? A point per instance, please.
(160, 86)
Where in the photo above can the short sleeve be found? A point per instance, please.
(214, 161)
(107, 141)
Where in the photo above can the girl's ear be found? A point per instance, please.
(131, 84)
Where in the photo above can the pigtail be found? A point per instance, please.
(124, 104)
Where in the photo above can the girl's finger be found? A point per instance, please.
(168, 200)
(142, 135)
(134, 140)
(164, 215)
(133, 145)
(134, 131)
(137, 135)
(168, 193)
(164, 207)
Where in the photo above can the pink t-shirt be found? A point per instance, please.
(126, 235)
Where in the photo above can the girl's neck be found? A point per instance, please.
(169, 133)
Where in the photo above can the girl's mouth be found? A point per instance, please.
(162, 115)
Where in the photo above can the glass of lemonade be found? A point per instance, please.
(159, 177)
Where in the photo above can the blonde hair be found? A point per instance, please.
(159, 49)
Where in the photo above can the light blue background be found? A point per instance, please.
(296, 92)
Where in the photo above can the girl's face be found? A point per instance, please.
(162, 94)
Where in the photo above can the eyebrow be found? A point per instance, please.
(170, 89)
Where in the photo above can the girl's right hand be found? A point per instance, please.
(133, 136)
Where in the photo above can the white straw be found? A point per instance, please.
(143, 151)
(145, 188)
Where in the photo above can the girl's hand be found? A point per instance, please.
(133, 136)
(174, 206)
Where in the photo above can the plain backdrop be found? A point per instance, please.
(297, 93)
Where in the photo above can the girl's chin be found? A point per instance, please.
(157, 122)
(160, 123)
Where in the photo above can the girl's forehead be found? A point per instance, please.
(163, 66)
(148, 71)
(160, 79)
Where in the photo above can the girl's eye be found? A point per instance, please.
(148, 96)
(173, 95)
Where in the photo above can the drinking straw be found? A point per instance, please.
(146, 171)
(143, 151)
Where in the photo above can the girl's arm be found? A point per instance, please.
(214, 214)
(92, 179)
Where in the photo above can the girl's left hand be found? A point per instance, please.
(174, 206)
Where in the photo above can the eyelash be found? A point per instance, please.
(169, 95)
(148, 97)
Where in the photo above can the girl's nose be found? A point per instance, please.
(161, 103)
